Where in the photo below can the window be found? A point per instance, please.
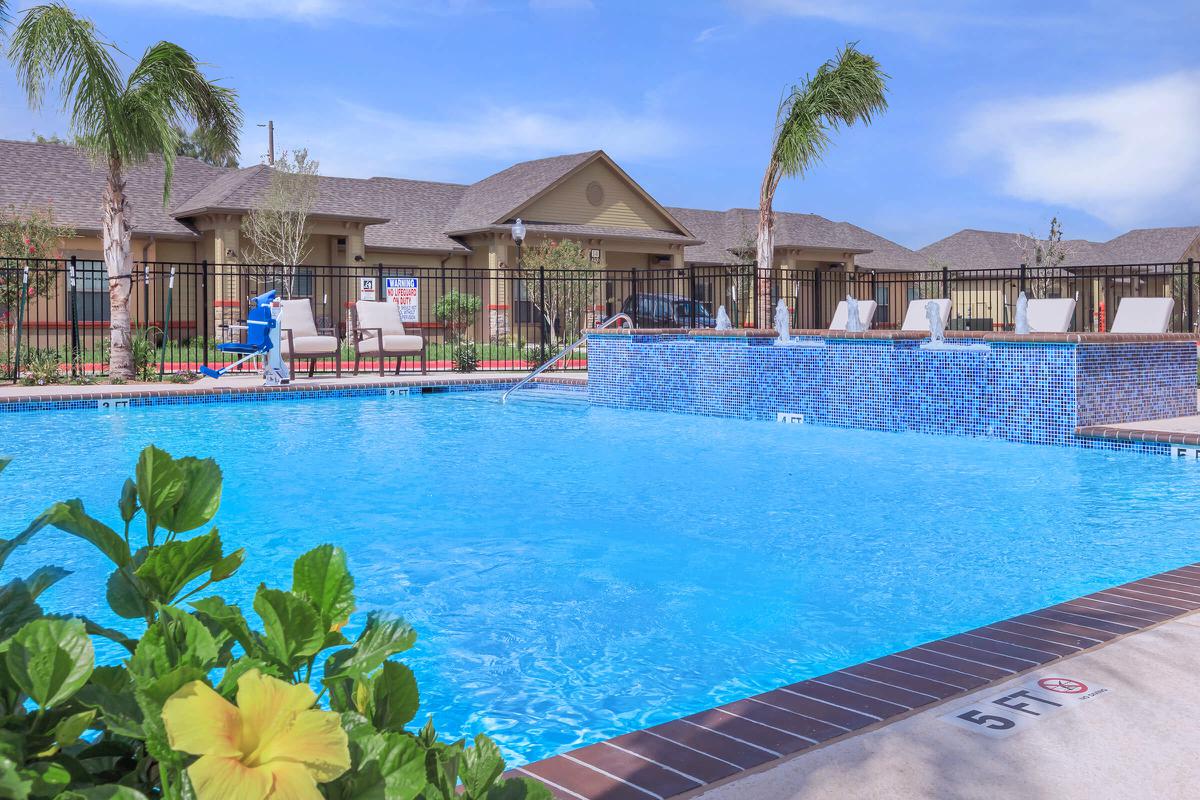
(882, 294)
(91, 290)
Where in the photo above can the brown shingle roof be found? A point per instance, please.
(39, 175)
(726, 233)
(241, 190)
(418, 215)
(972, 249)
(490, 200)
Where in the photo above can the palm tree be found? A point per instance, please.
(846, 89)
(120, 121)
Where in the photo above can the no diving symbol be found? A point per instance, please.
(1062, 685)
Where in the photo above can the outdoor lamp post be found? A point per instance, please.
(518, 233)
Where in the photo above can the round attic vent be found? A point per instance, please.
(595, 193)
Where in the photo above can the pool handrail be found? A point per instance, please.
(539, 369)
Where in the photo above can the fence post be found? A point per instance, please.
(1021, 279)
(74, 310)
(20, 323)
(206, 310)
(1191, 295)
(816, 298)
(945, 281)
(634, 294)
(692, 292)
(542, 307)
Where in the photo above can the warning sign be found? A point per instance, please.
(367, 288)
(1021, 706)
(405, 293)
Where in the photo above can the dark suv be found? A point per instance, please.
(667, 311)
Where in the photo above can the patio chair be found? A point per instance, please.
(299, 336)
(841, 315)
(1051, 315)
(379, 331)
(915, 319)
(1143, 315)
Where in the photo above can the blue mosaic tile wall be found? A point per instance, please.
(1110, 392)
(1024, 392)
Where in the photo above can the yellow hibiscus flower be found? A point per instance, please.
(273, 745)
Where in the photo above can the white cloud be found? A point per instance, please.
(708, 34)
(360, 141)
(1126, 154)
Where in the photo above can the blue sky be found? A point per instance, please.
(1002, 113)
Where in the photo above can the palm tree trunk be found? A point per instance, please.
(766, 247)
(118, 261)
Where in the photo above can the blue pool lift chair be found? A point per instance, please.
(262, 339)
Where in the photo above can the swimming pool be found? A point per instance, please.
(579, 572)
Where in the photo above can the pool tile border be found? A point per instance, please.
(1145, 435)
(686, 756)
(151, 395)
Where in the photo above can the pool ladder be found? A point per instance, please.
(538, 370)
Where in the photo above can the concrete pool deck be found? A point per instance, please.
(1137, 740)
(880, 730)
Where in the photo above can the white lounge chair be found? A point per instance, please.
(915, 319)
(1143, 315)
(841, 315)
(379, 331)
(299, 336)
(1051, 315)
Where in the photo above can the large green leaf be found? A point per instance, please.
(17, 607)
(229, 619)
(96, 629)
(394, 697)
(321, 576)
(159, 483)
(201, 495)
(43, 578)
(170, 567)
(110, 691)
(382, 638)
(228, 565)
(68, 731)
(8, 545)
(387, 765)
(176, 641)
(292, 627)
(126, 595)
(128, 504)
(50, 659)
(71, 517)
(481, 766)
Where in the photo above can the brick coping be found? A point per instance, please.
(175, 390)
(1138, 435)
(687, 756)
(890, 335)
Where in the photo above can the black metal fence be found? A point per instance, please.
(58, 310)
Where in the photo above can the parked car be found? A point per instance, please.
(667, 311)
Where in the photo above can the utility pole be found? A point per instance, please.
(270, 126)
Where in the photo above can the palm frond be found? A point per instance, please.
(166, 90)
(50, 43)
(847, 89)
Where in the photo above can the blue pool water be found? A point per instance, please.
(576, 573)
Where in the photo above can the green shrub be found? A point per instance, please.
(537, 354)
(456, 310)
(73, 730)
(465, 356)
(41, 366)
